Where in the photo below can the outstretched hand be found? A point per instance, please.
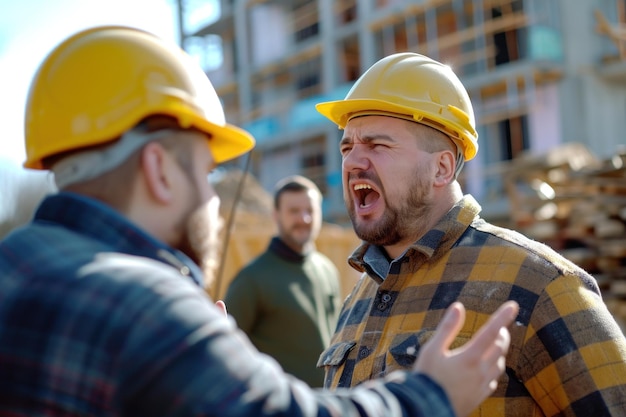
(470, 373)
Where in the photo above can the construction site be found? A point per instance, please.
(547, 79)
(470, 157)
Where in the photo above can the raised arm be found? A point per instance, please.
(206, 366)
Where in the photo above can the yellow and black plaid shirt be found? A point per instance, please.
(567, 355)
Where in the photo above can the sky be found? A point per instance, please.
(29, 29)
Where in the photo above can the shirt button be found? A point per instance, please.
(382, 306)
(386, 298)
(363, 352)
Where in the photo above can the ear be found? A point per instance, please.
(156, 166)
(446, 161)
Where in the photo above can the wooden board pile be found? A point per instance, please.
(577, 204)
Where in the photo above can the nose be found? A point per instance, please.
(306, 217)
(356, 158)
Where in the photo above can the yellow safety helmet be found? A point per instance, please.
(101, 82)
(413, 85)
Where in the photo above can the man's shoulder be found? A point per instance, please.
(95, 284)
(130, 281)
(38, 248)
(322, 256)
(259, 263)
(130, 270)
(323, 259)
(56, 254)
(536, 252)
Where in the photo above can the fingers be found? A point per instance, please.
(470, 373)
(490, 331)
(505, 315)
(498, 348)
(494, 359)
(490, 344)
(449, 327)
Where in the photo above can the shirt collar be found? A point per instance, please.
(281, 249)
(435, 243)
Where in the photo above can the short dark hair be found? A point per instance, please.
(294, 183)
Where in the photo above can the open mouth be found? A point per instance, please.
(365, 195)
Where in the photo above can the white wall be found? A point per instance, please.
(544, 128)
(283, 162)
(270, 33)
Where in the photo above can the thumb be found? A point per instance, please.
(449, 327)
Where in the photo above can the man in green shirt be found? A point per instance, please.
(287, 300)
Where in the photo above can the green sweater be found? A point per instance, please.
(288, 305)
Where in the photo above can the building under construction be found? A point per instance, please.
(540, 73)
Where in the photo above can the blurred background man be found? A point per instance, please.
(287, 299)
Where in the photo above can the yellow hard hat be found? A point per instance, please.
(101, 82)
(413, 85)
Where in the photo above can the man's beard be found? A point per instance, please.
(200, 238)
(399, 220)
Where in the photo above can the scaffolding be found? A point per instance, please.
(280, 57)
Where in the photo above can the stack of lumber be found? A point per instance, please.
(576, 203)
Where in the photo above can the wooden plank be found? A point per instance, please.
(617, 33)
(614, 247)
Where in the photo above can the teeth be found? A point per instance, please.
(362, 187)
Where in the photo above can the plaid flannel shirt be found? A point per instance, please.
(567, 354)
(98, 318)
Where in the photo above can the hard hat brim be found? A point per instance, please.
(227, 142)
(339, 111)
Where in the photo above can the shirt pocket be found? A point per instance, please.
(335, 355)
(405, 347)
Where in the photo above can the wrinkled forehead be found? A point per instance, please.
(368, 127)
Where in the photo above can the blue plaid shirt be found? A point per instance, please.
(98, 318)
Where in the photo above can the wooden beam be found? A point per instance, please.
(616, 33)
